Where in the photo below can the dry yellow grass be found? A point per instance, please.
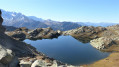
(111, 61)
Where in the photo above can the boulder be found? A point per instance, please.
(7, 58)
(59, 32)
(55, 64)
(102, 42)
(39, 63)
(25, 63)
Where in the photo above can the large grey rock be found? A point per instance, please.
(7, 58)
(39, 63)
(55, 64)
(25, 63)
(102, 42)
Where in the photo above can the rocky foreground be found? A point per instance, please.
(14, 53)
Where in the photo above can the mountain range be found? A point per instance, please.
(31, 22)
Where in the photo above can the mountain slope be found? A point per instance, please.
(20, 20)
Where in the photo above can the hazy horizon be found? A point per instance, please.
(64, 10)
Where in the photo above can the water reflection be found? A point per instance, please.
(68, 50)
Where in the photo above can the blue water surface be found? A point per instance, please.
(68, 50)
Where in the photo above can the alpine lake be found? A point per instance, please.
(68, 49)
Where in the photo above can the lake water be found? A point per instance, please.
(68, 50)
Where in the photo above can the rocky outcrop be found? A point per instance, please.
(85, 33)
(39, 33)
(2, 29)
(1, 19)
(18, 34)
(85, 29)
(108, 39)
(7, 58)
(102, 42)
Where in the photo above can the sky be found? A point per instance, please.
(66, 10)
